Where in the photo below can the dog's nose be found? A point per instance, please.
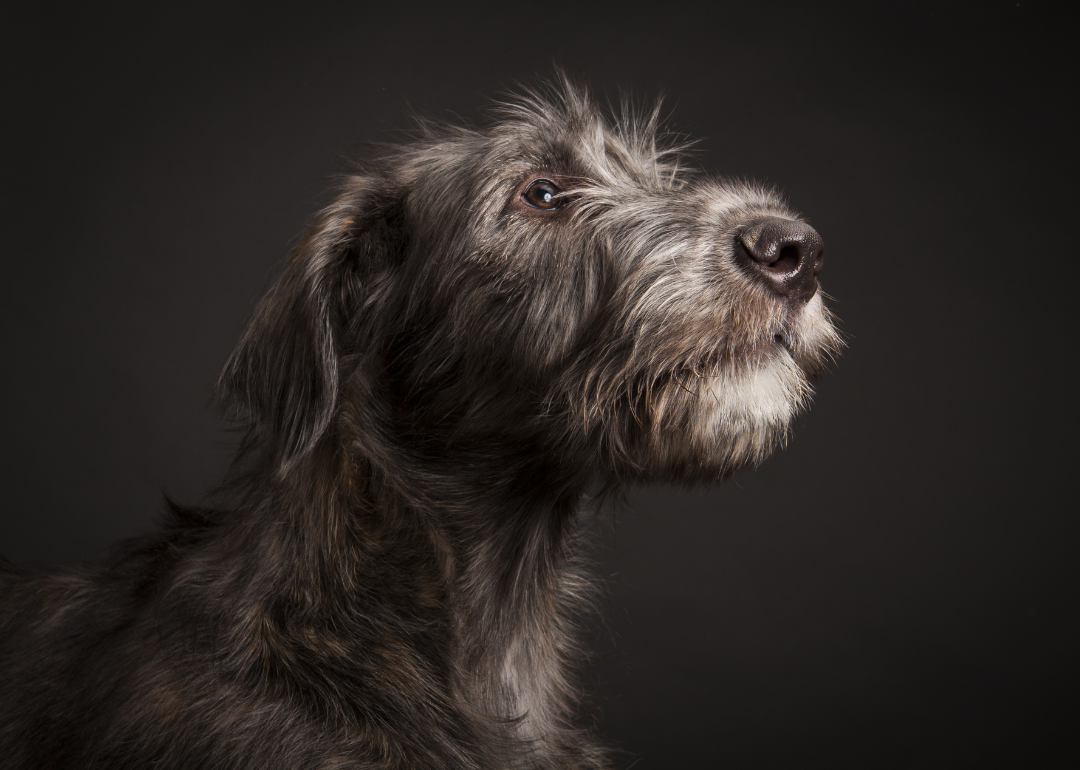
(787, 255)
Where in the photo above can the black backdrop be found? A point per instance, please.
(894, 589)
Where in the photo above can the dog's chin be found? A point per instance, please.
(752, 406)
(745, 409)
(736, 416)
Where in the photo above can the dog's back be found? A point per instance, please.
(138, 663)
(81, 652)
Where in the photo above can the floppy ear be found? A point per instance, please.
(284, 376)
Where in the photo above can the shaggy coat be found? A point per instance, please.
(488, 328)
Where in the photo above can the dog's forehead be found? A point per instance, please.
(579, 143)
(569, 139)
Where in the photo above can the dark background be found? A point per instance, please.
(894, 589)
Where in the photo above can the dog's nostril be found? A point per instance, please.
(784, 254)
(787, 261)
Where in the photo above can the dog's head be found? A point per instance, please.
(553, 289)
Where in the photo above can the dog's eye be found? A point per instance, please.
(542, 194)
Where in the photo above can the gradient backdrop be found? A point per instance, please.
(896, 589)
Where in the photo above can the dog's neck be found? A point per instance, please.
(491, 576)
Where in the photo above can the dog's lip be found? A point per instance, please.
(784, 340)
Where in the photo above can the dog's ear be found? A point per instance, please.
(284, 376)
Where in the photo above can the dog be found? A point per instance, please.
(490, 331)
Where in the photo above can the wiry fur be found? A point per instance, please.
(435, 384)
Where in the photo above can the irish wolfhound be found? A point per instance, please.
(486, 328)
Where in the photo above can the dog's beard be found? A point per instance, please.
(748, 400)
(736, 411)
